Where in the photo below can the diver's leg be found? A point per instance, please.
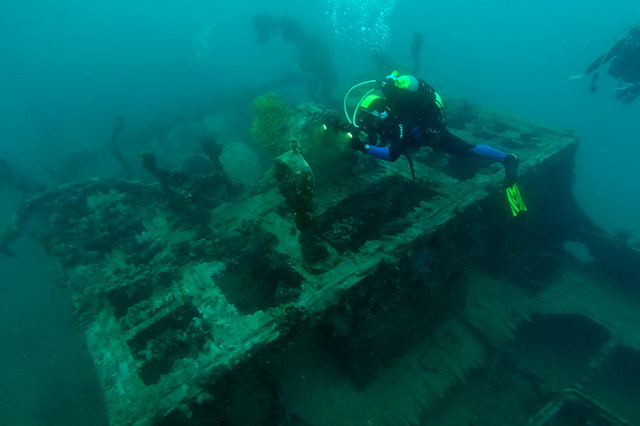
(452, 144)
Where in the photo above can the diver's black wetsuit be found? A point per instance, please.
(417, 119)
(398, 136)
(626, 58)
(625, 65)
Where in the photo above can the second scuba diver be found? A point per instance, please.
(624, 55)
(404, 111)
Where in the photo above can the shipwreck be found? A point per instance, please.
(342, 291)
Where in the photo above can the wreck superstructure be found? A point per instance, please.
(354, 294)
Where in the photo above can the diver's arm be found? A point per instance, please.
(393, 141)
(379, 152)
(594, 65)
(615, 50)
(386, 153)
(391, 152)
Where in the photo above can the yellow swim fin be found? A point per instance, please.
(515, 200)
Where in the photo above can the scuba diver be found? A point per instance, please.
(624, 55)
(404, 111)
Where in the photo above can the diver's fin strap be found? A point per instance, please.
(515, 199)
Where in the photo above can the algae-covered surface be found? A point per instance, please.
(331, 289)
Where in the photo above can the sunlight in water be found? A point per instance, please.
(362, 24)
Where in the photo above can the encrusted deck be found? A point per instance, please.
(224, 318)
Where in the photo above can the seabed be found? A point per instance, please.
(359, 297)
